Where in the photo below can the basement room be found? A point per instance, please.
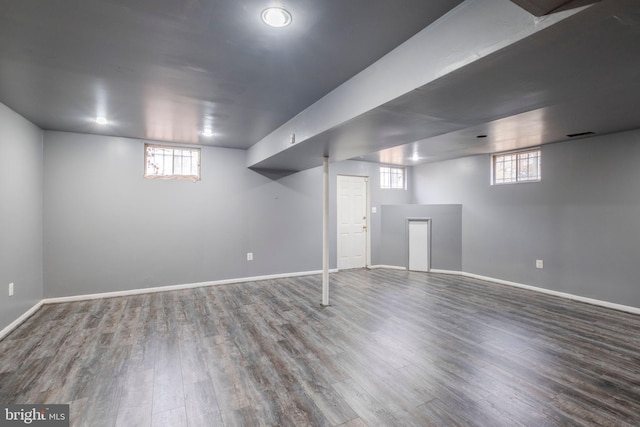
(320, 213)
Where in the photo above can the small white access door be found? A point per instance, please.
(419, 244)
(352, 206)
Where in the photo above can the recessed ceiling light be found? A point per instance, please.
(101, 120)
(207, 133)
(276, 17)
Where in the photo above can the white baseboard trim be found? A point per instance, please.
(140, 291)
(592, 301)
(389, 267)
(10, 327)
(453, 272)
(13, 325)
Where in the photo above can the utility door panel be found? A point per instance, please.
(419, 245)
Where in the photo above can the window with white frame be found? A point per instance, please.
(391, 177)
(520, 166)
(171, 162)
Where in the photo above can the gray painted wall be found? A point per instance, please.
(109, 229)
(446, 234)
(581, 219)
(20, 215)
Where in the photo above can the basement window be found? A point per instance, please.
(391, 177)
(169, 162)
(514, 167)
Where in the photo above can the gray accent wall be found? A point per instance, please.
(446, 234)
(109, 229)
(20, 215)
(581, 219)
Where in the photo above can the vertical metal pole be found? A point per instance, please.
(325, 232)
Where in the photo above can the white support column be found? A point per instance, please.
(325, 232)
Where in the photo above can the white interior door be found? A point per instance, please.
(352, 222)
(419, 245)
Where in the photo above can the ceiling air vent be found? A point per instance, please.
(573, 135)
(546, 7)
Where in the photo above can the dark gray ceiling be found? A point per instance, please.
(165, 69)
(580, 75)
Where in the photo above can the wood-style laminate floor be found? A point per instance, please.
(395, 349)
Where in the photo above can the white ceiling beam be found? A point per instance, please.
(473, 30)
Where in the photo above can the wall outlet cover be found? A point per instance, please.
(539, 263)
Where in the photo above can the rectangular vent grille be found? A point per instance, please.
(573, 135)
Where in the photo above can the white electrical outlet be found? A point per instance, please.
(539, 263)
(11, 289)
(249, 256)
